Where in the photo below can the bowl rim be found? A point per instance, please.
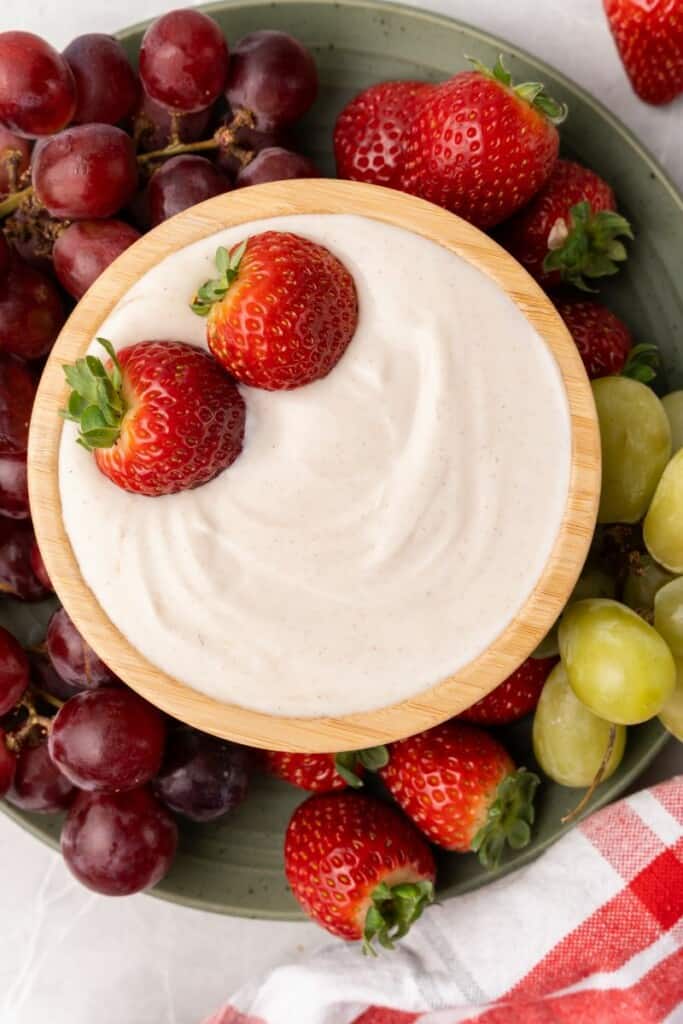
(447, 697)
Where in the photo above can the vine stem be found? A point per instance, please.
(178, 147)
(15, 740)
(599, 775)
(10, 203)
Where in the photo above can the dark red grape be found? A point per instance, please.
(8, 764)
(86, 248)
(14, 671)
(17, 578)
(108, 739)
(38, 783)
(184, 60)
(202, 777)
(44, 676)
(17, 392)
(273, 77)
(31, 312)
(246, 142)
(74, 659)
(85, 172)
(181, 182)
(14, 487)
(119, 843)
(154, 125)
(38, 566)
(275, 164)
(106, 86)
(37, 89)
(15, 154)
(4, 256)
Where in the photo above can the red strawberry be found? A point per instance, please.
(323, 773)
(649, 37)
(515, 697)
(368, 135)
(570, 231)
(605, 342)
(282, 312)
(161, 417)
(461, 788)
(480, 146)
(357, 867)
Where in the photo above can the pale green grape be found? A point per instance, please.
(669, 615)
(671, 715)
(593, 582)
(569, 740)
(663, 526)
(642, 583)
(617, 664)
(636, 445)
(673, 407)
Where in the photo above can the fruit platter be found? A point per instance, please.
(321, 90)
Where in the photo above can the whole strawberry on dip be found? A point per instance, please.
(159, 416)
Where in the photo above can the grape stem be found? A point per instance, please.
(16, 739)
(599, 775)
(48, 698)
(10, 203)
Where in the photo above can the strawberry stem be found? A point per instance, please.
(510, 818)
(372, 759)
(394, 909)
(96, 403)
(588, 247)
(532, 93)
(212, 291)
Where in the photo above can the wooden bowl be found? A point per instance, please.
(451, 695)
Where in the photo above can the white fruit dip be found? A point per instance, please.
(380, 528)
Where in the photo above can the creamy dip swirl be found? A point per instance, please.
(381, 527)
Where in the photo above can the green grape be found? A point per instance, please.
(669, 615)
(569, 740)
(673, 407)
(642, 583)
(663, 526)
(593, 582)
(671, 715)
(636, 445)
(617, 664)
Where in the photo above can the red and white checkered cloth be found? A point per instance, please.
(591, 933)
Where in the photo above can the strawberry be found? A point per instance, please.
(357, 867)
(605, 343)
(161, 416)
(649, 38)
(515, 697)
(282, 311)
(570, 231)
(324, 773)
(368, 135)
(461, 788)
(480, 146)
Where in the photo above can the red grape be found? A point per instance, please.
(37, 89)
(72, 658)
(43, 675)
(14, 487)
(273, 77)
(84, 172)
(106, 85)
(38, 783)
(17, 578)
(184, 60)
(86, 248)
(181, 182)
(31, 312)
(17, 392)
(38, 566)
(14, 671)
(246, 142)
(202, 777)
(8, 764)
(15, 154)
(119, 843)
(154, 125)
(108, 740)
(5, 256)
(276, 164)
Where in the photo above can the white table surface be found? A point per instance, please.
(70, 957)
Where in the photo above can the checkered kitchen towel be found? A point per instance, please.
(591, 933)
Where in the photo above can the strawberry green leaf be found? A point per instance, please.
(642, 363)
(374, 758)
(347, 762)
(532, 93)
(588, 247)
(509, 819)
(393, 910)
(96, 403)
(214, 290)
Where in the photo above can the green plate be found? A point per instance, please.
(235, 867)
